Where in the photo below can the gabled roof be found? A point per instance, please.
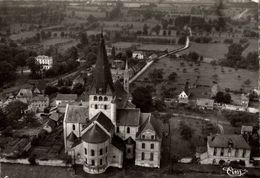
(129, 141)
(118, 142)
(128, 117)
(222, 141)
(153, 124)
(27, 93)
(76, 114)
(40, 98)
(95, 135)
(71, 97)
(103, 120)
(72, 137)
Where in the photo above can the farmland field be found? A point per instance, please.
(204, 75)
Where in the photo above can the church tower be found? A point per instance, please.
(101, 96)
(126, 77)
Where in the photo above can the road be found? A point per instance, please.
(150, 62)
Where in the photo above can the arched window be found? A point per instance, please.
(105, 98)
(143, 145)
(117, 129)
(101, 162)
(86, 151)
(95, 98)
(142, 155)
(73, 127)
(152, 137)
(128, 130)
(92, 153)
(96, 106)
(100, 98)
(101, 151)
(105, 107)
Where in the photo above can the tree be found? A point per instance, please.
(65, 90)
(113, 52)
(157, 29)
(156, 75)
(50, 90)
(142, 98)
(193, 56)
(20, 59)
(91, 19)
(33, 65)
(185, 131)
(78, 89)
(7, 72)
(29, 117)
(172, 76)
(15, 110)
(222, 98)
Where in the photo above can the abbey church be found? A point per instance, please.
(109, 130)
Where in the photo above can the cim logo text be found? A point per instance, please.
(233, 172)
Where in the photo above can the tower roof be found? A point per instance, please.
(103, 83)
(95, 135)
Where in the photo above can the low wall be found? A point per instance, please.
(59, 163)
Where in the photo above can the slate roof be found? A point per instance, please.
(118, 142)
(223, 140)
(25, 93)
(40, 98)
(95, 135)
(151, 123)
(103, 83)
(76, 114)
(128, 117)
(72, 137)
(71, 97)
(54, 116)
(102, 119)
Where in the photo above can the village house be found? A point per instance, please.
(65, 98)
(204, 103)
(39, 103)
(45, 61)
(138, 55)
(222, 149)
(25, 95)
(244, 101)
(183, 98)
(108, 129)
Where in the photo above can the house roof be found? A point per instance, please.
(128, 117)
(76, 114)
(71, 97)
(25, 93)
(246, 128)
(72, 137)
(51, 123)
(129, 141)
(102, 119)
(205, 102)
(151, 123)
(121, 95)
(118, 142)
(95, 135)
(224, 140)
(54, 116)
(40, 98)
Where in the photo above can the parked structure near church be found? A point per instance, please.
(109, 128)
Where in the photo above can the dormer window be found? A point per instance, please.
(152, 137)
(105, 98)
(95, 98)
(100, 98)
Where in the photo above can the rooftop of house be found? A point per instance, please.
(246, 128)
(128, 117)
(24, 92)
(71, 97)
(40, 98)
(205, 102)
(223, 141)
(76, 114)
